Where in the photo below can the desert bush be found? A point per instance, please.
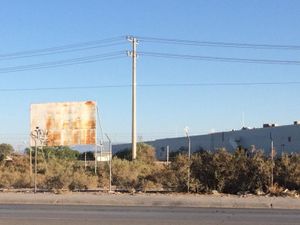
(103, 175)
(259, 172)
(82, 180)
(176, 174)
(145, 153)
(126, 174)
(248, 173)
(237, 172)
(135, 174)
(5, 150)
(89, 156)
(221, 163)
(15, 174)
(287, 171)
(58, 174)
(203, 171)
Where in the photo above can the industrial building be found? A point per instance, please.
(285, 139)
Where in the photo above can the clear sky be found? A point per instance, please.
(161, 111)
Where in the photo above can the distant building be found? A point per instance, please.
(285, 139)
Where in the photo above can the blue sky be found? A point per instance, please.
(162, 111)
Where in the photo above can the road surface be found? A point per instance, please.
(113, 215)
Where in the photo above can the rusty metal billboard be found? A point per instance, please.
(66, 123)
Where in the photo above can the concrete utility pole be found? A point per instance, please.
(133, 55)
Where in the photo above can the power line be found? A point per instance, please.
(151, 85)
(219, 59)
(67, 50)
(220, 84)
(218, 44)
(67, 62)
(120, 54)
(67, 47)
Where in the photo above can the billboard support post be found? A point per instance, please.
(96, 155)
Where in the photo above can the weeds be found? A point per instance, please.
(221, 171)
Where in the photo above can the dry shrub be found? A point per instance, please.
(276, 190)
(137, 174)
(14, 179)
(103, 175)
(237, 172)
(123, 174)
(15, 174)
(6, 179)
(287, 171)
(81, 180)
(148, 185)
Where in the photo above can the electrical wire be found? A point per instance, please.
(67, 50)
(219, 59)
(67, 62)
(61, 48)
(151, 85)
(217, 44)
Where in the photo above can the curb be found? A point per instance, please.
(159, 200)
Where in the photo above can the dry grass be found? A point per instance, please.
(218, 171)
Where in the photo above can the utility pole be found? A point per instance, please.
(133, 55)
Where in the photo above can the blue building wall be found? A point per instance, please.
(285, 139)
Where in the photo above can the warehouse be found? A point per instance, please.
(285, 139)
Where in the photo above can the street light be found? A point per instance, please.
(37, 135)
(186, 130)
(272, 160)
(110, 158)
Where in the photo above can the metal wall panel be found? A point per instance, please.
(67, 123)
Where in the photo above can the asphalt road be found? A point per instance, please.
(113, 215)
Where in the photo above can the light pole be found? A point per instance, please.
(37, 135)
(110, 158)
(186, 129)
(168, 154)
(272, 160)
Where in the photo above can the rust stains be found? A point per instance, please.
(68, 123)
(90, 103)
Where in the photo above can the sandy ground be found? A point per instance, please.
(179, 200)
